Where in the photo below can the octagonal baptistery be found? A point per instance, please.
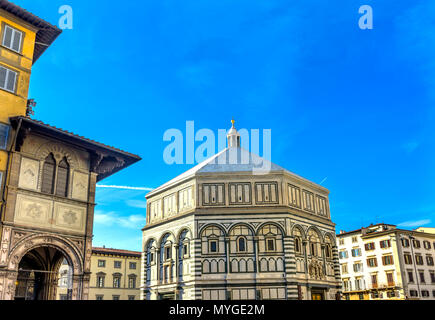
(226, 229)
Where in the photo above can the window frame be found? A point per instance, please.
(132, 278)
(8, 130)
(210, 241)
(117, 281)
(101, 280)
(8, 70)
(14, 30)
(273, 244)
(245, 244)
(167, 254)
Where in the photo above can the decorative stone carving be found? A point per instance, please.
(227, 225)
(17, 235)
(29, 173)
(315, 269)
(69, 217)
(33, 211)
(80, 186)
(59, 152)
(6, 235)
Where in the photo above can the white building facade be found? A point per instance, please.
(383, 262)
(220, 231)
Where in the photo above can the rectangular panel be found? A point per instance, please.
(240, 193)
(33, 211)
(29, 173)
(247, 193)
(213, 194)
(233, 193)
(220, 194)
(80, 186)
(68, 217)
(272, 193)
(259, 188)
(206, 194)
(267, 192)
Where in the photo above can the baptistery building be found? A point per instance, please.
(224, 230)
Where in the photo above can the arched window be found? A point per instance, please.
(62, 178)
(314, 240)
(297, 234)
(48, 173)
(298, 245)
(241, 244)
(183, 251)
(328, 247)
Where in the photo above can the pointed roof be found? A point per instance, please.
(229, 160)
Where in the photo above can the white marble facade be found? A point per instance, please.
(220, 232)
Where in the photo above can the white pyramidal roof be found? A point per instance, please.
(230, 160)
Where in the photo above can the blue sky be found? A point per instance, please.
(350, 105)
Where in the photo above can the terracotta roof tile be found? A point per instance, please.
(115, 251)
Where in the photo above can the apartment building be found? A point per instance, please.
(384, 262)
(115, 274)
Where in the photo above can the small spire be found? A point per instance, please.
(233, 136)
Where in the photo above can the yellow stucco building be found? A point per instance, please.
(115, 274)
(23, 39)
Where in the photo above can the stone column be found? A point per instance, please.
(77, 287)
(85, 285)
(256, 268)
(323, 249)
(158, 265)
(177, 258)
(9, 284)
(227, 253)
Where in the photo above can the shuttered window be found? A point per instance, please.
(4, 132)
(12, 38)
(62, 178)
(7, 79)
(48, 172)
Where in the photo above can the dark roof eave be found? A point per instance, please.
(46, 34)
(78, 141)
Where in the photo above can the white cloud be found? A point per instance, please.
(136, 204)
(410, 146)
(135, 221)
(415, 223)
(124, 187)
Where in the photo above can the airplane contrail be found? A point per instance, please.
(124, 187)
(323, 180)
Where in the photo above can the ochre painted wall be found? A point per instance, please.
(14, 104)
